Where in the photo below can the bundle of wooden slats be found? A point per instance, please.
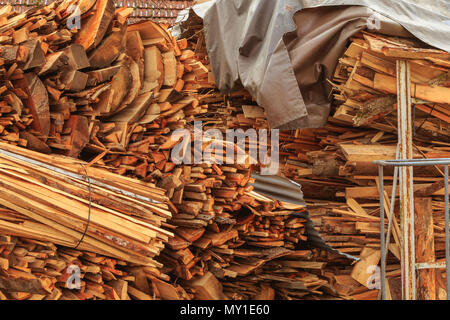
(87, 214)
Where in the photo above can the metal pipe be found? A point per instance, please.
(447, 240)
(382, 244)
(416, 162)
(430, 265)
(406, 179)
(391, 212)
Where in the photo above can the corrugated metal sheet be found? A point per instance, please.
(279, 188)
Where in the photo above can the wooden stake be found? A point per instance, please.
(424, 231)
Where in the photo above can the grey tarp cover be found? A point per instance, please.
(283, 50)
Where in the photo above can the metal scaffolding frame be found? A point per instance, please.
(404, 171)
(384, 243)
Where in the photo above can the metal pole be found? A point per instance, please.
(447, 240)
(393, 196)
(385, 246)
(391, 212)
(382, 242)
(406, 180)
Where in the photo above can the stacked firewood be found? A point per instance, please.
(56, 86)
(335, 166)
(131, 88)
(38, 270)
(277, 259)
(114, 95)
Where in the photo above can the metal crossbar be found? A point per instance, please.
(385, 244)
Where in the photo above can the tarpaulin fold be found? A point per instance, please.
(283, 51)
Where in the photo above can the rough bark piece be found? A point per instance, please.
(55, 62)
(74, 80)
(94, 27)
(9, 53)
(37, 101)
(36, 56)
(108, 51)
(135, 49)
(77, 58)
(153, 70)
(424, 233)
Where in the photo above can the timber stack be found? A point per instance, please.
(92, 116)
(112, 95)
(38, 270)
(335, 166)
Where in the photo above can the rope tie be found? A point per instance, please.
(90, 205)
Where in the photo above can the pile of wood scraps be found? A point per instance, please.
(108, 98)
(259, 264)
(365, 84)
(39, 270)
(335, 166)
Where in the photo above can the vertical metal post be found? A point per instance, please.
(391, 213)
(406, 180)
(382, 239)
(447, 240)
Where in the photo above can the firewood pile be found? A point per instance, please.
(111, 95)
(64, 91)
(334, 164)
(102, 105)
(245, 231)
(37, 269)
